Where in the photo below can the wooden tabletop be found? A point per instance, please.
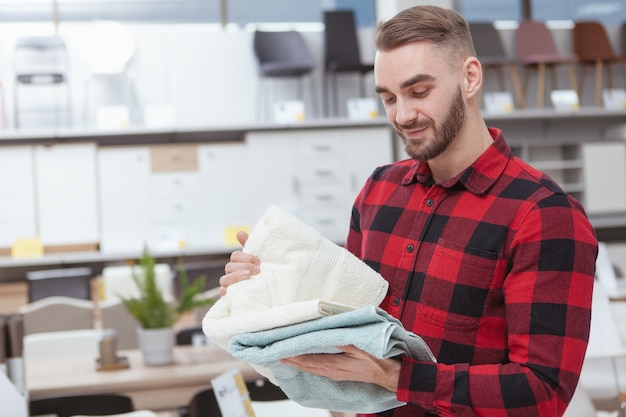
(152, 387)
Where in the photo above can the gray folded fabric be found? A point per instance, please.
(368, 328)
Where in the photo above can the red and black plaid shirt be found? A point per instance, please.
(494, 269)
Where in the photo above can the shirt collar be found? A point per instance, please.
(478, 177)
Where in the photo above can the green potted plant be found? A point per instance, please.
(156, 314)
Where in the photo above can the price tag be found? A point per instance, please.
(289, 111)
(230, 234)
(362, 108)
(27, 248)
(498, 102)
(614, 99)
(232, 395)
(565, 100)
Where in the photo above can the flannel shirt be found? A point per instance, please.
(494, 268)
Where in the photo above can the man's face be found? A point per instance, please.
(422, 98)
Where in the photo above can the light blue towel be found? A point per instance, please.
(369, 328)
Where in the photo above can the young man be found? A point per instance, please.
(487, 259)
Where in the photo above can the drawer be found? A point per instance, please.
(172, 158)
(331, 223)
(322, 171)
(176, 210)
(324, 195)
(175, 184)
(320, 147)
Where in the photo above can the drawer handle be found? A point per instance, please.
(324, 173)
(325, 222)
(325, 197)
(322, 148)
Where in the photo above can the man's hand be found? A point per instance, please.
(241, 266)
(351, 365)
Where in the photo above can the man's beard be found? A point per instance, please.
(444, 133)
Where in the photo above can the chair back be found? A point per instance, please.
(487, 42)
(534, 43)
(340, 40)
(202, 404)
(64, 344)
(57, 313)
(107, 47)
(263, 390)
(282, 54)
(591, 42)
(114, 315)
(69, 282)
(191, 336)
(118, 281)
(623, 38)
(72, 405)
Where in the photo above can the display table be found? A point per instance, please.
(150, 387)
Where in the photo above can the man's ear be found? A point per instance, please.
(473, 76)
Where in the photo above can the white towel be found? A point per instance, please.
(299, 269)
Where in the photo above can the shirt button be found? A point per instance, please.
(396, 302)
(430, 202)
(410, 248)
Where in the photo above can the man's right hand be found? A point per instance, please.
(241, 266)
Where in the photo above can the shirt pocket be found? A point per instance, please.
(459, 284)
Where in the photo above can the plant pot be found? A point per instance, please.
(157, 345)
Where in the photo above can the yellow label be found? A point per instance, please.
(230, 234)
(27, 248)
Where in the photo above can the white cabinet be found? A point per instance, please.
(149, 195)
(225, 179)
(316, 174)
(605, 177)
(17, 195)
(65, 178)
(124, 184)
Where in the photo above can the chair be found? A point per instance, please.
(118, 281)
(69, 343)
(211, 270)
(282, 55)
(40, 63)
(191, 336)
(72, 405)
(57, 313)
(138, 413)
(262, 390)
(114, 315)
(535, 49)
(267, 401)
(490, 51)
(68, 282)
(593, 48)
(204, 402)
(342, 54)
(108, 48)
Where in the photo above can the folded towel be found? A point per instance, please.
(299, 268)
(369, 328)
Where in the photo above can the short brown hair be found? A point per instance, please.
(443, 27)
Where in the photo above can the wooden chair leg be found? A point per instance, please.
(541, 84)
(599, 70)
(517, 86)
(572, 80)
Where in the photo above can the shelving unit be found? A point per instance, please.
(314, 168)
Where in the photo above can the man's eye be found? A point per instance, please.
(420, 93)
(388, 100)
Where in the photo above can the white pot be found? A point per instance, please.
(157, 345)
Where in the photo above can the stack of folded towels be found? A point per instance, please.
(310, 296)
